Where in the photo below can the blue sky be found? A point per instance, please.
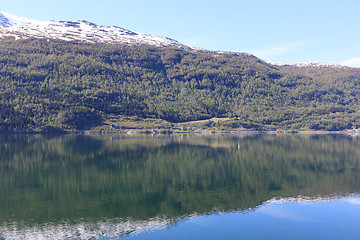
(275, 30)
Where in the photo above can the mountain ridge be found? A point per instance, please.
(85, 31)
(79, 30)
(8, 20)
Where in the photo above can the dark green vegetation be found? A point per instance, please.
(54, 179)
(68, 86)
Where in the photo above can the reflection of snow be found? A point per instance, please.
(294, 208)
(301, 199)
(351, 198)
(81, 230)
(354, 199)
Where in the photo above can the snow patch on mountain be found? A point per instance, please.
(306, 64)
(8, 20)
(84, 31)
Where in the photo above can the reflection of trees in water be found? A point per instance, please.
(70, 177)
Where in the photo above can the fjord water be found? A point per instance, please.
(179, 187)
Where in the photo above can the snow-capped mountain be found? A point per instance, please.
(8, 20)
(18, 27)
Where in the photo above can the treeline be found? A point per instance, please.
(48, 85)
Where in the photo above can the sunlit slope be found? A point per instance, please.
(60, 85)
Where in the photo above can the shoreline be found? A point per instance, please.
(162, 132)
(223, 132)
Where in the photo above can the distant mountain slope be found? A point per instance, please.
(344, 78)
(325, 71)
(53, 77)
(307, 64)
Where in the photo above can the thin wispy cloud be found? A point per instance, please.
(280, 49)
(283, 211)
(352, 62)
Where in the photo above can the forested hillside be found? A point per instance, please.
(50, 85)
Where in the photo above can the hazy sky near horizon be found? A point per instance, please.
(275, 30)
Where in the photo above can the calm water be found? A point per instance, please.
(230, 187)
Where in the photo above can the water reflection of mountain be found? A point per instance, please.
(74, 177)
(82, 229)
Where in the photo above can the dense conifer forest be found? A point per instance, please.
(53, 85)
